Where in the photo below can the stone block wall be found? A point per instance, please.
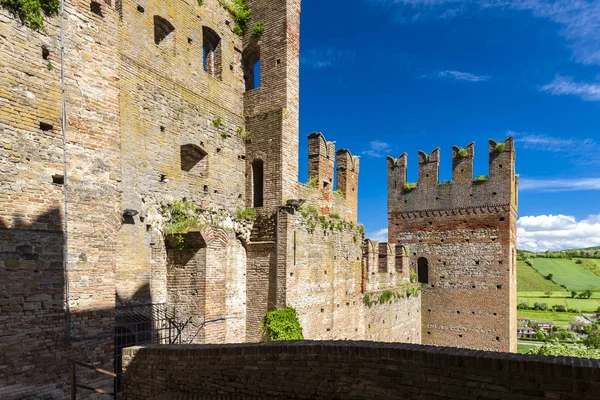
(180, 125)
(358, 370)
(461, 235)
(34, 343)
(324, 283)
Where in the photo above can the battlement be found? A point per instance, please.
(496, 188)
(322, 160)
(386, 265)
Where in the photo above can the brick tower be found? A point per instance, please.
(462, 241)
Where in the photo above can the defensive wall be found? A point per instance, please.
(353, 370)
(461, 236)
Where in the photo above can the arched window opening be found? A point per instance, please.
(211, 52)
(194, 160)
(257, 183)
(423, 270)
(164, 33)
(252, 67)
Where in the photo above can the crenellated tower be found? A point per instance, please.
(462, 240)
(347, 169)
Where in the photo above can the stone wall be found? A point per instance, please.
(179, 124)
(360, 370)
(34, 344)
(463, 233)
(324, 283)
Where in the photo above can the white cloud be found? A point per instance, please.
(559, 185)
(557, 232)
(462, 76)
(579, 19)
(380, 235)
(377, 149)
(564, 85)
(326, 58)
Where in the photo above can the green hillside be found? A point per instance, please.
(568, 273)
(529, 280)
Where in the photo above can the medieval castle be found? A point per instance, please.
(165, 115)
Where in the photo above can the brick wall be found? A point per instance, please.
(362, 370)
(34, 347)
(466, 232)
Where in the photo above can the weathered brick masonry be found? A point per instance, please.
(354, 370)
(462, 241)
(161, 107)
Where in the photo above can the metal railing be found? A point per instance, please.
(75, 385)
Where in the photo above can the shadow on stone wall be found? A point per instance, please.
(34, 343)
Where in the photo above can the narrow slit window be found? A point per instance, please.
(257, 182)
(423, 270)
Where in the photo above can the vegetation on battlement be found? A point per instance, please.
(391, 296)
(410, 186)
(179, 217)
(32, 12)
(331, 222)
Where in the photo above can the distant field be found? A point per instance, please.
(567, 272)
(584, 305)
(528, 279)
(559, 318)
(590, 264)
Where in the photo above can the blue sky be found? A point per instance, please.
(384, 77)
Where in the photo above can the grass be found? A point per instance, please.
(567, 272)
(524, 348)
(590, 264)
(528, 279)
(558, 318)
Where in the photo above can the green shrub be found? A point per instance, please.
(312, 182)
(555, 348)
(339, 193)
(240, 10)
(367, 300)
(481, 178)
(258, 29)
(463, 153)
(248, 214)
(500, 147)
(200, 3)
(522, 306)
(335, 215)
(181, 216)
(282, 324)
(32, 12)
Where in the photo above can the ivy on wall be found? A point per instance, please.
(282, 324)
(32, 12)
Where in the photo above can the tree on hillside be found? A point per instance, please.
(573, 294)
